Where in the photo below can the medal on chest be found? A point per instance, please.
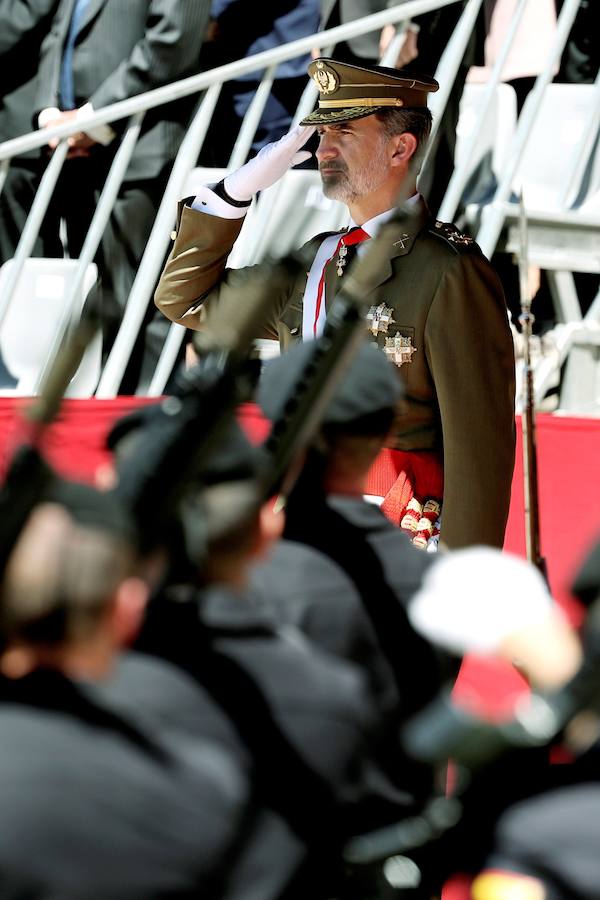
(380, 318)
(399, 349)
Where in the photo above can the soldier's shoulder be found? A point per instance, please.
(455, 240)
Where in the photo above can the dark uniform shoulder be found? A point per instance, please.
(453, 237)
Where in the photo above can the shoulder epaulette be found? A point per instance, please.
(453, 236)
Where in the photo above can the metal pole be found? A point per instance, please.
(461, 173)
(33, 225)
(251, 120)
(154, 254)
(93, 238)
(448, 68)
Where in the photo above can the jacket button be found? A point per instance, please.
(293, 331)
(173, 235)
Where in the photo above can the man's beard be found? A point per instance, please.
(347, 186)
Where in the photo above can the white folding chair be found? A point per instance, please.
(29, 329)
(492, 143)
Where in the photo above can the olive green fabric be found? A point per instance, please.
(446, 301)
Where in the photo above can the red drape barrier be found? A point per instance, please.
(569, 472)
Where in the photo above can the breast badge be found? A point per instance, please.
(325, 78)
(380, 318)
(399, 349)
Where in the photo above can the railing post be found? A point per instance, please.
(154, 253)
(491, 228)
(33, 224)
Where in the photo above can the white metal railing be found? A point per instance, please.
(208, 85)
(134, 108)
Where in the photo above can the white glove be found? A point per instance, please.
(269, 165)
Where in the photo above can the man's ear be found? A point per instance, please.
(404, 148)
(129, 604)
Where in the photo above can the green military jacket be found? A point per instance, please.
(448, 311)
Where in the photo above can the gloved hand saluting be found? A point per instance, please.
(269, 165)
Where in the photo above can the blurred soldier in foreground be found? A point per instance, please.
(435, 306)
(298, 721)
(93, 806)
(386, 604)
(547, 847)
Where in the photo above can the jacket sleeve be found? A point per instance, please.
(470, 353)
(195, 280)
(168, 50)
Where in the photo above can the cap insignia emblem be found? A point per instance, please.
(380, 318)
(325, 78)
(399, 349)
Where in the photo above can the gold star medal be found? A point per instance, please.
(399, 349)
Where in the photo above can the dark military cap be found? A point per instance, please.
(352, 92)
(30, 481)
(364, 401)
(233, 457)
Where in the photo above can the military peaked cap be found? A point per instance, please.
(352, 92)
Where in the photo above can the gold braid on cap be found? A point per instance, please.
(363, 101)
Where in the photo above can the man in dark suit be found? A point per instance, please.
(93, 804)
(23, 26)
(305, 722)
(98, 52)
(238, 30)
(436, 306)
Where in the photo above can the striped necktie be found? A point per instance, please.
(67, 87)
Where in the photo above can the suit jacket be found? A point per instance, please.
(23, 26)
(447, 300)
(124, 48)
(96, 806)
(244, 29)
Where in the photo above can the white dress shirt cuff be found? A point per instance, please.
(103, 134)
(208, 202)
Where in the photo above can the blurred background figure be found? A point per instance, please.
(23, 26)
(239, 29)
(297, 720)
(98, 52)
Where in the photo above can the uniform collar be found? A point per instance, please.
(373, 225)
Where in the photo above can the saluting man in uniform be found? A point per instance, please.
(436, 307)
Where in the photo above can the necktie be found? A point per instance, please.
(354, 236)
(67, 88)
